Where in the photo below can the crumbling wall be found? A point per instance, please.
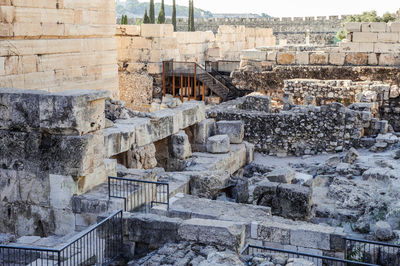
(301, 130)
(58, 45)
(260, 76)
(51, 147)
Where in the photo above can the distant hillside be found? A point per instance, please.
(134, 8)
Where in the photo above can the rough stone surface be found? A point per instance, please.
(383, 231)
(283, 175)
(181, 148)
(209, 232)
(257, 102)
(208, 184)
(234, 129)
(218, 144)
(290, 201)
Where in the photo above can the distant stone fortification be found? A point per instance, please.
(320, 29)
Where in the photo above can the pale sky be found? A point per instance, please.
(294, 8)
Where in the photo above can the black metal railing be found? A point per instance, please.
(100, 244)
(138, 195)
(254, 250)
(372, 252)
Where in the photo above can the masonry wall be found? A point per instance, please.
(51, 148)
(380, 99)
(58, 45)
(142, 49)
(367, 44)
(321, 30)
(301, 130)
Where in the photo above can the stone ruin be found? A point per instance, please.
(307, 162)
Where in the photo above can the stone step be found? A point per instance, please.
(261, 227)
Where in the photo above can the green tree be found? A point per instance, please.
(152, 12)
(146, 19)
(388, 17)
(124, 20)
(174, 14)
(161, 15)
(192, 28)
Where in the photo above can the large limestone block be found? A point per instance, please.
(319, 58)
(281, 175)
(208, 184)
(365, 37)
(129, 30)
(389, 60)
(20, 109)
(181, 148)
(213, 232)
(394, 26)
(302, 58)
(289, 201)
(383, 48)
(73, 112)
(7, 14)
(374, 27)
(388, 37)
(286, 58)
(337, 59)
(150, 229)
(353, 26)
(234, 129)
(218, 144)
(157, 30)
(204, 130)
(356, 59)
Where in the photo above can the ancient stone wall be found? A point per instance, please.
(142, 49)
(58, 45)
(321, 30)
(51, 147)
(381, 99)
(368, 44)
(302, 129)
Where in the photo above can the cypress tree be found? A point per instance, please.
(152, 12)
(192, 18)
(146, 19)
(174, 14)
(161, 15)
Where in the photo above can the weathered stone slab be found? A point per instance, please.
(218, 144)
(212, 232)
(208, 184)
(204, 130)
(234, 129)
(181, 148)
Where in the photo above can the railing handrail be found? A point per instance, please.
(372, 242)
(306, 255)
(90, 229)
(70, 242)
(205, 72)
(138, 180)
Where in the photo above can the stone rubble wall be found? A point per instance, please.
(304, 130)
(381, 99)
(58, 45)
(51, 147)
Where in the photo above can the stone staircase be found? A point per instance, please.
(215, 86)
